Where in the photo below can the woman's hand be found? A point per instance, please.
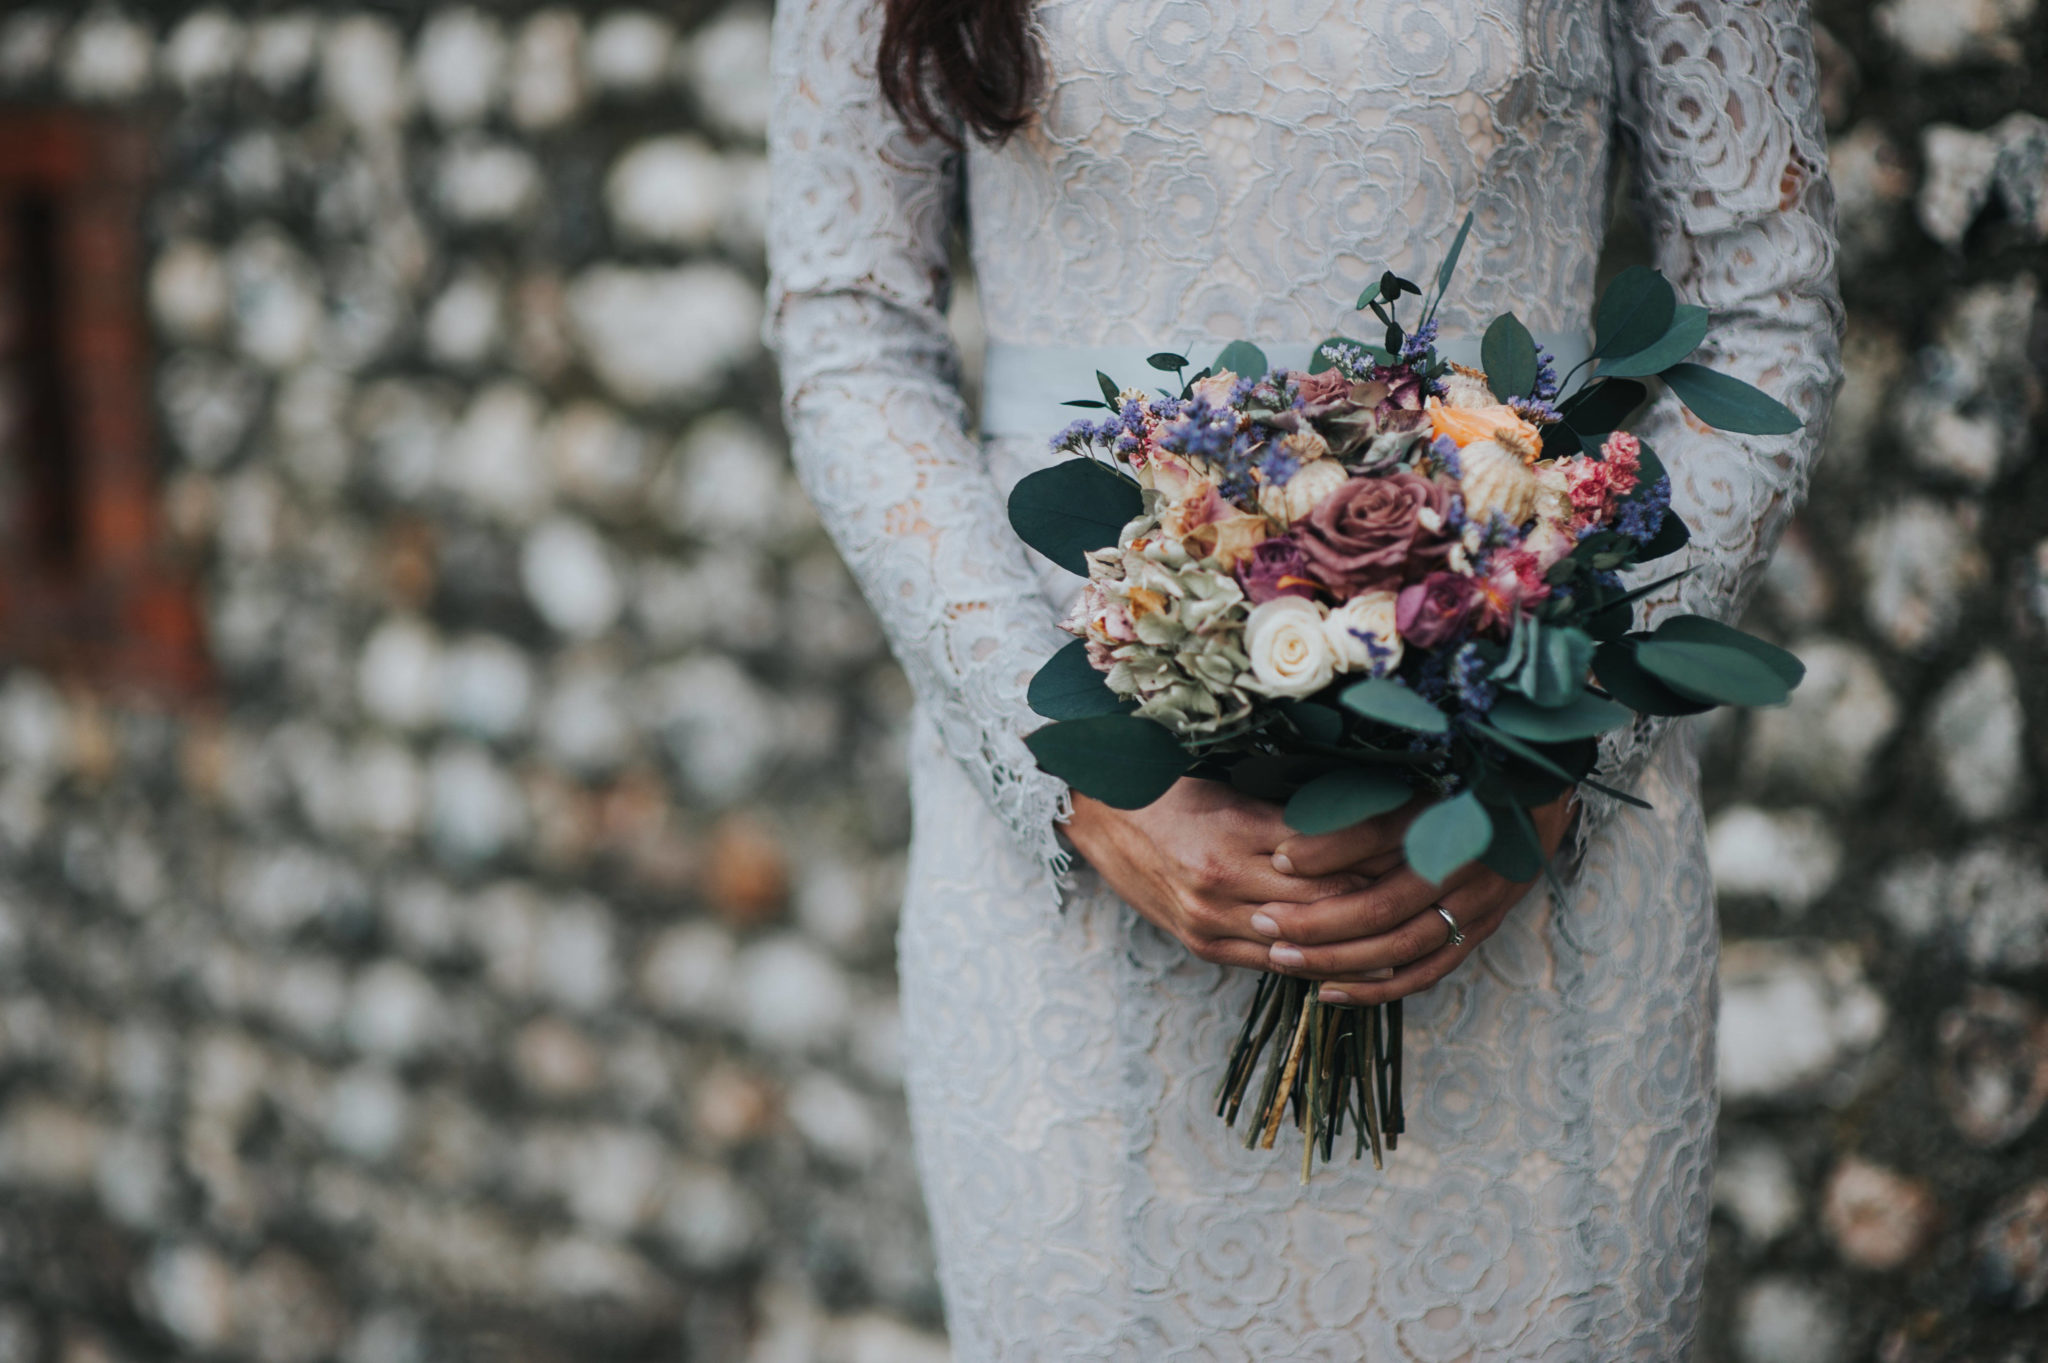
(1386, 941)
(1197, 863)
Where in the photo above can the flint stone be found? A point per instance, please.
(405, 426)
(109, 57)
(362, 73)
(727, 64)
(189, 1290)
(2012, 1250)
(2022, 172)
(276, 293)
(1958, 184)
(188, 290)
(569, 578)
(1871, 181)
(308, 995)
(487, 687)
(596, 457)
(728, 483)
(463, 324)
(203, 50)
(1789, 856)
(35, 726)
(46, 1143)
(664, 336)
(553, 1059)
(281, 49)
(688, 973)
(28, 44)
(668, 191)
(792, 996)
(611, 1178)
(1779, 1320)
(838, 1124)
(582, 722)
(1791, 1014)
(1919, 559)
(366, 1114)
(1967, 417)
(399, 679)
(710, 1220)
(585, 1270)
(134, 1179)
(1993, 1065)
(475, 810)
(1822, 743)
(871, 1337)
(546, 80)
(308, 415)
(209, 404)
(493, 458)
(284, 1311)
(1756, 1186)
(459, 65)
(1879, 1219)
(481, 183)
(719, 728)
(629, 51)
(1942, 33)
(386, 1335)
(394, 1012)
(1978, 733)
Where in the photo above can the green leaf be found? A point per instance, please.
(1555, 669)
(1672, 536)
(1633, 313)
(1450, 265)
(1446, 836)
(1727, 403)
(1109, 389)
(1584, 716)
(1613, 617)
(1602, 406)
(1317, 723)
(1084, 402)
(1389, 702)
(1367, 296)
(1514, 854)
(1508, 355)
(1611, 793)
(1618, 673)
(1713, 672)
(1167, 362)
(1698, 629)
(1121, 760)
(1392, 286)
(1275, 777)
(1073, 507)
(1069, 687)
(1243, 359)
(1535, 757)
(1344, 798)
(1688, 329)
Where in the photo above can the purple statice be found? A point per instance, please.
(1075, 437)
(1346, 357)
(1467, 677)
(1545, 390)
(1201, 432)
(1537, 411)
(1276, 466)
(1444, 451)
(1241, 391)
(1607, 578)
(1642, 515)
(1418, 344)
(1454, 515)
(1234, 479)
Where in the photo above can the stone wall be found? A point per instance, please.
(495, 960)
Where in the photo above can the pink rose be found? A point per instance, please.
(1328, 386)
(1374, 532)
(1435, 610)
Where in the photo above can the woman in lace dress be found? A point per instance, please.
(1188, 172)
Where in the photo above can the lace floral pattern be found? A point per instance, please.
(1237, 167)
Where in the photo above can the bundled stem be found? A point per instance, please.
(1332, 1059)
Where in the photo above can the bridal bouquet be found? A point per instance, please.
(1384, 579)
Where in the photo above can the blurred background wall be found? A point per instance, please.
(450, 812)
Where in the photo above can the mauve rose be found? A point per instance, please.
(1274, 568)
(1404, 391)
(1364, 534)
(1327, 386)
(1434, 610)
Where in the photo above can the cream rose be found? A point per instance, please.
(1369, 616)
(1290, 652)
(1291, 501)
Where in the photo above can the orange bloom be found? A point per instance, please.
(1467, 425)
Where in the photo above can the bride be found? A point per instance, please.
(1137, 175)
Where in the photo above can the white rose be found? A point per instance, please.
(1370, 615)
(1304, 492)
(1290, 653)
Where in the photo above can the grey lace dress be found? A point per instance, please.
(1227, 168)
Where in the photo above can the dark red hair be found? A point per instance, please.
(965, 60)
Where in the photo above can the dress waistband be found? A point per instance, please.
(1023, 386)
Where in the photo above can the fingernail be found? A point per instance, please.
(1283, 864)
(1329, 993)
(1384, 973)
(1264, 923)
(1287, 955)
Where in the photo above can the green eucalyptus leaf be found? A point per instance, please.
(1243, 359)
(1084, 402)
(1634, 312)
(1672, 536)
(1317, 723)
(1715, 672)
(1514, 854)
(1109, 388)
(1446, 836)
(1508, 355)
(1602, 406)
(1584, 716)
(1275, 777)
(1544, 764)
(1698, 629)
(1389, 702)
(1343, 798)
(1069, 687)
(1167, 362)
(1121, 760)
(1071, 508)
(1450, 265)
(1727, 403)
(1622, 677)
(1555, 669)
(1688, 329)
(1367, 296)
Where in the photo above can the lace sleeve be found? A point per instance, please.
(1719, 101)
(857, 251)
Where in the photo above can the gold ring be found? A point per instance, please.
(1457, 934)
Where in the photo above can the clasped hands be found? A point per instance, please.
(1223, 874)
